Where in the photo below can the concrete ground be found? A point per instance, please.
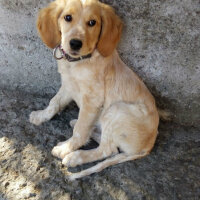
(29, 171)
(161, 43)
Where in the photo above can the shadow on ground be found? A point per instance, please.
(28, 171)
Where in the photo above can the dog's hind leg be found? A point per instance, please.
(96, 132)
(96, 136)
(80, 157)
(105, 149)
(126, 126)
(119, 158)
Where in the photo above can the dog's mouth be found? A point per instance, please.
(71, 57)
(77, 54)
(74, 54)
(71, 53)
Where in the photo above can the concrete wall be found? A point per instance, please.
(161, 42)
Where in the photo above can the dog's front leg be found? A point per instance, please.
(87, 116)
(57, 104)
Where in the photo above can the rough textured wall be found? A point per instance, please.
(25, 62)
(161, 42)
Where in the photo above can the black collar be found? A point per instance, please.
(66, 56)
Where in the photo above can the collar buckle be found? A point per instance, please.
(55, 51)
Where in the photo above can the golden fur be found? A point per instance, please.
(110, 96)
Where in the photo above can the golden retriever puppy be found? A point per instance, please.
(85, 34)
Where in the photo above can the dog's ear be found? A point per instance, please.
(111, 31)
(47, 23)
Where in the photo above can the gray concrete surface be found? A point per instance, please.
(29, 171)
(25, 62)
(161, 42)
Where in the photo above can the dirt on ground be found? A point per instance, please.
(29, 171)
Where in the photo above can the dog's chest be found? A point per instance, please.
(76, 73)
(89, 82)
(87, 79)
(83, 80)
(81, 74)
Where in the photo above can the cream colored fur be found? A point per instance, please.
(107, 92)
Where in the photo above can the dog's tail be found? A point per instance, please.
(165, 115)
(119, 158)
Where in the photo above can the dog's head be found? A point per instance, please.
(80, 26)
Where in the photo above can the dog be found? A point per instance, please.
(111, 97)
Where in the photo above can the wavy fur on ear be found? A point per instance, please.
(111, 31)
(47, 23)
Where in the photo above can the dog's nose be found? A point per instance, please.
(75, 44)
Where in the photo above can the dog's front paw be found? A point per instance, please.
(61, 150)
(73, 159)
(37, 117)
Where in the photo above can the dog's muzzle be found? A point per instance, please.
(66, 56)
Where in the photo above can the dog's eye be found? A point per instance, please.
(91, 23)
(68, 18)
